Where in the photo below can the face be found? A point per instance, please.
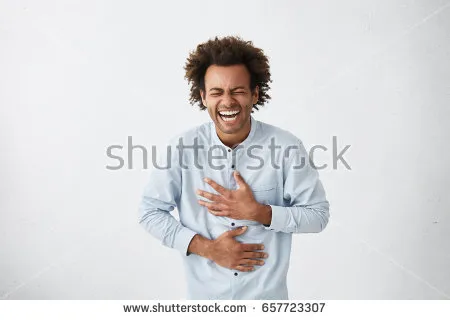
(229, 99)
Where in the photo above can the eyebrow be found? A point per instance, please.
(220, 89)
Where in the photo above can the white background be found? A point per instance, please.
(77, 77)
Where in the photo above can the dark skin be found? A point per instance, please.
(228, 88)
(237, 204)
(229, 253)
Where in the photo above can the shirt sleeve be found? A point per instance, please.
(160, 196)
(305, 209)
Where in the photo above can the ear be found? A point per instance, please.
(202, 96)
(255, 95)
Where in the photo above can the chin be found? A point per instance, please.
(228, 130)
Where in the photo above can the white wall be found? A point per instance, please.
(76, 78)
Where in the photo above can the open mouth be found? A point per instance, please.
(229, 116)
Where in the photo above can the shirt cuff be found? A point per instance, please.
(279, 218)
(183, 240)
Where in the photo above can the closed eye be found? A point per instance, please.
(216, 94)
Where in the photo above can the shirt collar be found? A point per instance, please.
(216, 140)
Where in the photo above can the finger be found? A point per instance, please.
(219, 213)
(216, 186)
(245, 268)
(254, 254)
(209, 196)
(252, 246)
(251, 262)
(210, 205)
(240, 181)
(237, 231)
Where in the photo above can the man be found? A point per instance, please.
(242, 187)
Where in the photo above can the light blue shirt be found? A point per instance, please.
(281, 176)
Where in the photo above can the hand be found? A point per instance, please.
(231, 254)
(236, 204)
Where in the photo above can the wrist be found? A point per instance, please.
(201, 246)
(263, 214)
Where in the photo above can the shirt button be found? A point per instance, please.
(232, 166)
(229, 150)
(235, 273)
(232, 224)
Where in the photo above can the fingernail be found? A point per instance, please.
(265, 255)
(237, 172)
(244, 227)
(262, 247)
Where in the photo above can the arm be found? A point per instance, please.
(200, 246)
(306, 208)
(160, 197)
(228, 252)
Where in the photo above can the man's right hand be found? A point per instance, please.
(232, 254)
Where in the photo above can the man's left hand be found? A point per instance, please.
(236, 204)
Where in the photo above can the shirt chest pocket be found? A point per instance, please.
(265, 193)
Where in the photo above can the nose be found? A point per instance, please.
(228, 101)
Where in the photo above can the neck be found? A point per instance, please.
(231, 140)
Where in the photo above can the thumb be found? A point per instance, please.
(240, 181)
(237, 231)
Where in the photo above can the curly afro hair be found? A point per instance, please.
(227, 51)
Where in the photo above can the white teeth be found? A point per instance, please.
(228, 113)
(228, 119)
